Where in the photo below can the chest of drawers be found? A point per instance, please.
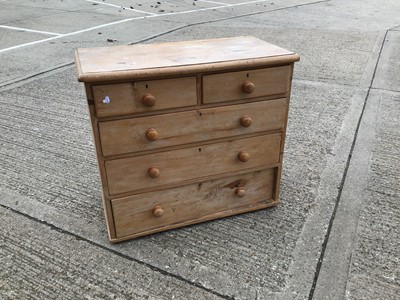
(186, 132)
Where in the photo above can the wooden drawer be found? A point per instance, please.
(165, 209)
(177, 166)
(153, 132)
(246, 84)
(143, 96)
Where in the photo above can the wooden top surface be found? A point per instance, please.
(123, 62)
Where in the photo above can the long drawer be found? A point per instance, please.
(154, 132)
(246, 84)
(194, 202)
(144, 96)
(171, 167)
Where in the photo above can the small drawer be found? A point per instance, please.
(246, 84)
(165, 209)
(154, 132)
(188, 164)
(143, 96)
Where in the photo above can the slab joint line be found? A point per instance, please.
(342, 183)
(11, 84)
(151, 267)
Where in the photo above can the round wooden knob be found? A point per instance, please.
(246, 121)
(151, 134)
(243, 156)
(240, 192)
(248, 87)
(158, 211)
(153, 172)
(149, 100)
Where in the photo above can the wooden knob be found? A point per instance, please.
(240, 192)
(243, 156)
(248, 87)
(153, 172)
(151, 134)
(158, 211)
(149, 100)
(246, 121)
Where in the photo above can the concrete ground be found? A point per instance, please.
(336, 233)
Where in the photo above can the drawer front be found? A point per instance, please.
(144, 96)
(137, 134)
(160, 209)
(177, 166)
(246, 84)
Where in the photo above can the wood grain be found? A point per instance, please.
(125, 62)
(139, 213)
(127, 98)
(132, 135)
(129, 174)
(229, 86)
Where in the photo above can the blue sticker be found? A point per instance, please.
(106, 100)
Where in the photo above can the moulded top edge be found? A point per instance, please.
(121, 62)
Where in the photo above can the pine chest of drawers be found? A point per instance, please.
(186, 132)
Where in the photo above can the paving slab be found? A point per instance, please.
(370, 11)
(323, 177)
(66, 5)
(11, 37)
(362, 255)
(342, 58)
(375, 263)
(50, 173)
(338, 15)
(387, 75)
(366, 217)
(167, 7)
(12, 13)
(39, 262)
(237, 8)
(54, 52)
(69, 21)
